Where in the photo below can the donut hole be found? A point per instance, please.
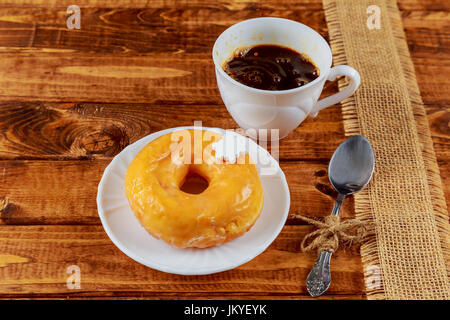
(194, 183)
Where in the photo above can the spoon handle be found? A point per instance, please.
(337, 204)
(319, 279)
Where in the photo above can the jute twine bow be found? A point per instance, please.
(331, 232)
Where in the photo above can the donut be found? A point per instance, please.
(227, 208)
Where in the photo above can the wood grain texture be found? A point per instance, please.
(281, 269)
(128, 31)
(72, 99)
(100, 131)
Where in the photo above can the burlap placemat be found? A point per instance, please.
(408, 256)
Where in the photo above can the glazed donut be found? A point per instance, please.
(226, 209)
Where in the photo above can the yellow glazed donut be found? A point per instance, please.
(226, 209)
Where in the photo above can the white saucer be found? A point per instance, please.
(128, 235)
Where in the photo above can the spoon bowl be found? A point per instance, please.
(352, 165)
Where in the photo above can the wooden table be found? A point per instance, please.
(72, 99)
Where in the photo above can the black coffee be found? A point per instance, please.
(271, 67)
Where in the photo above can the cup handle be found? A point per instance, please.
(335, 72)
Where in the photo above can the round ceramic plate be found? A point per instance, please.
(126, 232)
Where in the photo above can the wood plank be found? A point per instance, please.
(109, 78)
(439, 122)
(190, 28)
(100, 131)
(64, 192)
(431, 88)
(59, 192)
(306, 4)
(426, 21)
(39, 257)
(427, 5)
(139, 295)
(444, 168)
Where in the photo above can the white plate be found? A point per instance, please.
(126, 232)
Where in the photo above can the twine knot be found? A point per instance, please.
(331, 232)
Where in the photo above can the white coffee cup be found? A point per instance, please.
(283, 110)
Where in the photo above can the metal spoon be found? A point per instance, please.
(349, 171)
